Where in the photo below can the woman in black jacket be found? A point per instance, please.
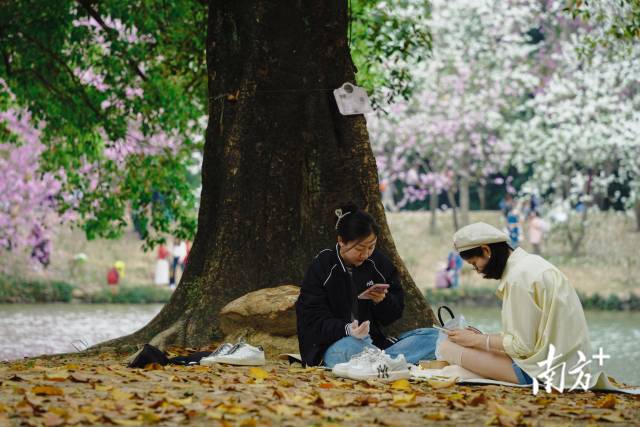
(333, 322)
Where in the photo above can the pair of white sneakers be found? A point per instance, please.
(373, 364)
(241, 354)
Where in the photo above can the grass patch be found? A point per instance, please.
(132, 295)
(13, 290)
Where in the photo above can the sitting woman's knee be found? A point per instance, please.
(450, 352)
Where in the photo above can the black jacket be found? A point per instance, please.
(324, 309)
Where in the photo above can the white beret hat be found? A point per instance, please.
(477, 234)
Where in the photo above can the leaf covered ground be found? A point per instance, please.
(81, 390)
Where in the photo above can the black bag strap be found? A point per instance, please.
(440, 314)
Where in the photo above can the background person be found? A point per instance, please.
(537, 229)
(179, 255)
(161, 275)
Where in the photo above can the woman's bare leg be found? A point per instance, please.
(496, 366)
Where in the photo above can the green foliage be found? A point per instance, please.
(13, 290)
(385, 41)
(132, 295)
(115, 76)
(135, 80)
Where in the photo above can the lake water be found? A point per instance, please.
(35, 329)
(617, 332)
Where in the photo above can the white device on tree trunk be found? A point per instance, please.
(351, 99)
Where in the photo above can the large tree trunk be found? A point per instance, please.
(278, 160)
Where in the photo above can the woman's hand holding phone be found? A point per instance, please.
(376, 292)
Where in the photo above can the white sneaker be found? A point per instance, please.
(368, 355)
(213, 357)
(376, 365)
(242, 354)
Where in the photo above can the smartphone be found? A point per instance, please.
(375, 288)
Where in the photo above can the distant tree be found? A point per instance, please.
(449, 135)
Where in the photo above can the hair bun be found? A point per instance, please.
(349, 207)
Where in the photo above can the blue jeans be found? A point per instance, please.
(416, 345)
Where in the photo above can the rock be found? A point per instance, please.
(269, 311)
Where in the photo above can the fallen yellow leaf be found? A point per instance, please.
(59, 411)
(179, 402)
(613, 418)
(153, 367)
(442, 384)
(258, 373)
(436, 416)
(56, 375)
(249, 422)
(284, 410)
(71, 367)
(402, 384)
(403, 399)
(118, 394)
(230, 408)
(455, 396)
(47, 391)
(100, 387)
(505, 412)
(149, 417)
(125, 422)
(607, 402)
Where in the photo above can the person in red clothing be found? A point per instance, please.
(113, 277)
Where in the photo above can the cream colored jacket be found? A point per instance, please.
(539, 308)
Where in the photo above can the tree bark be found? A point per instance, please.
(278, 160)
(482, 196)
(433, 207)
(464, 200)
(454, 210)
(637, 210)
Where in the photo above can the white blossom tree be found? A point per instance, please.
(449, 134)
(581, 131)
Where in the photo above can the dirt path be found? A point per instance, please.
(74, 389)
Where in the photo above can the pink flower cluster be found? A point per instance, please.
(27, 195)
